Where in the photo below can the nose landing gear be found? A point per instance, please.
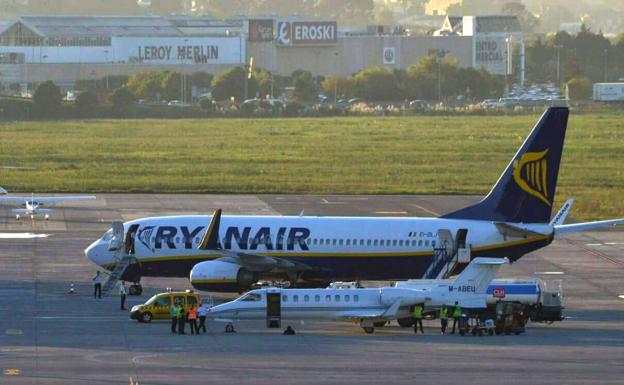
(135, 289)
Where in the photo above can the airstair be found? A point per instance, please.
(123, 247)
(451, 255)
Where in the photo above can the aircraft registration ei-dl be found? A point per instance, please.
(230, 253)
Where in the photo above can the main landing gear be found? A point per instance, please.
(135, 289)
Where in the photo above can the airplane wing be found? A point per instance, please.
(38, 211)
(46, 199)
(584, 226)
(359, 314)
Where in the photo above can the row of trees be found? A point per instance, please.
(432, 78)
(562, 57)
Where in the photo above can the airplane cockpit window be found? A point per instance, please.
(251, 297)
(108, 235)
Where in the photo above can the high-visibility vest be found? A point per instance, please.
(192, 314)
(418, 312)
(457, 311)
(122, 290)
(444, 313)
(174, 312)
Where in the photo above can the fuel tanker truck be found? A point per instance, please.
(538, 302)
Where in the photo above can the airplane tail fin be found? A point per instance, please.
(526, 189)
(479, 273)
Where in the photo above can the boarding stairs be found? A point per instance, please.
(123, 247)
(450, 256)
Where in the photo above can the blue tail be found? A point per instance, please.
(526, 189)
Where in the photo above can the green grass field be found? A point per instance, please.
(353, 155)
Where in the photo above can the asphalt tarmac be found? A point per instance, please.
(50, 337)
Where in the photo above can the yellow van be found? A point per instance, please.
(158, 306)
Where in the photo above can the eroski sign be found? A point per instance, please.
(242, 238)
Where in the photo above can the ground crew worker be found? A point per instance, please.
(417, 314)
(122, 295)
(174, 318)
(457, 312)
(202, 312)
(192, 319)
(443, 318)
(181, 320)
(97, 287)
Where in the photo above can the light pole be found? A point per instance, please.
(336, 79)
(606, 70)
(558, 47)
(106, 67)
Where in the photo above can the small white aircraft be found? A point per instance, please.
(32, 205)
(368, 307)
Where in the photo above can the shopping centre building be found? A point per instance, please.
(65, 49)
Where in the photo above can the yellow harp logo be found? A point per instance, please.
(531, 174)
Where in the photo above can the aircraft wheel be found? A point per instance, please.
(146, 317)
(135, 289)
(368, 329)
(379, 324)
(405, 322)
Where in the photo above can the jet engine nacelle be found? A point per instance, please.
(220, 276)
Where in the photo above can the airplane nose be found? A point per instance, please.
(98, 253)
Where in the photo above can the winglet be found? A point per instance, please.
(562, 213)
(210, 241)
(3, 191)
(393, 309)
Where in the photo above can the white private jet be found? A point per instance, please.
(232, 252)
(31, 206)
(367, 307)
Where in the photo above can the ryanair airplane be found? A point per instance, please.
(232, 252)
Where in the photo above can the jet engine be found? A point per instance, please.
(221, 276)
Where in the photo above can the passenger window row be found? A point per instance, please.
(342, 242)
(317, 298)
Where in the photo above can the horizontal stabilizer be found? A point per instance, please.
(521, 232)
(585, 226)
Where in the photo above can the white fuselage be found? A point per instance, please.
(345, 247)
